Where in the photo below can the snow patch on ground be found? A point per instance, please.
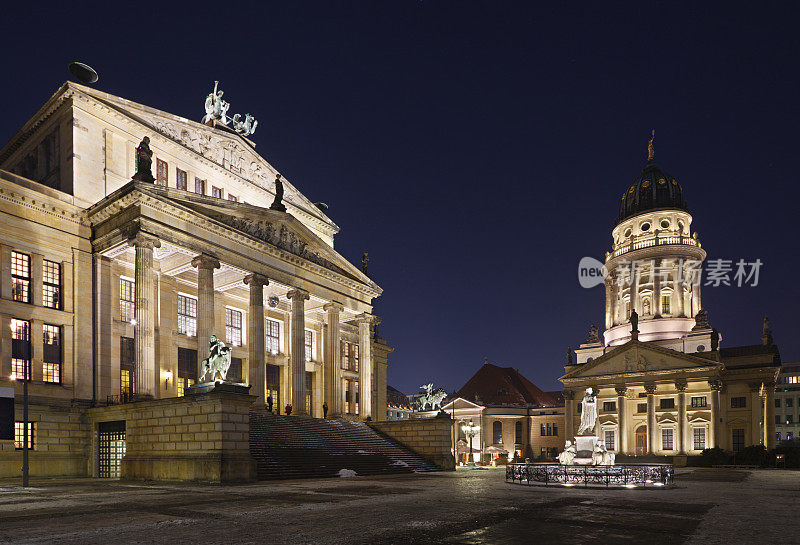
(344, 473)
(400, 463)
(364, 452)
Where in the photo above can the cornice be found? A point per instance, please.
(39, 204)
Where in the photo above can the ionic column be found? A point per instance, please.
(681, 385)
(756, 431)
(333, 365)
(609, 302)
(298, 297)
(715, 386)
(256, 339)
(769, 414)
(650, 388)
(569, 409)
(365, 370)
(655, 270)
(145, 315)
(622, 429)
(205, 305)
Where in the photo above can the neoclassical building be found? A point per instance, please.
(113, 281)
(665, 383)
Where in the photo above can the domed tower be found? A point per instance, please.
(655, 261)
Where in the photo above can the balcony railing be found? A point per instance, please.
(618, 475)
(637, 243)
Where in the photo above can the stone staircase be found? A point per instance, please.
(296, 447)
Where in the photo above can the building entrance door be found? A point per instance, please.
(641, 441)
(111, 449)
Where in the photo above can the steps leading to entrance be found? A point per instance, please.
(289, 447)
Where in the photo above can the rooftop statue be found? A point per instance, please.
(588, 413)
(216, 108)
(144, 162)
(277, 204)
(246, 127)
(431, 398)
(217, 363)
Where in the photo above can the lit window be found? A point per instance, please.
(274, 384)
(351, 357)
(665, 300)
(309, 344)
(187, 315)
(355, 396)
(187, 369)
(199, 186)
(666, 439)
(233, 327)
(20, 277)
(309, 392)
(273, 332)
(699, 438)
(609, 439)
(184, 383)
(699, 401)
(19, 437)
(127, 305)
(216, 191)
(161, 172)
(51, 364)
(21, 349)
(180, 179)
(126, 366)
(51, 284)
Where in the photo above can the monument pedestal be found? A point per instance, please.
(585, 446)
(219, 387)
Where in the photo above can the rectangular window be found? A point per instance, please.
(555, 429)
(180, 179)
(187, 369)
(233, 327)
(789, 401)
(549, 429)
(738, 402)
(127, 305)
(737, 439)
(235, 370)
(497, 432)
(790, 419)
(51, 284)
(273, 331)
(666, 439)
(232, 197)
(274, 385)
(161, 172)
(21, 349)
(52, 353)
(610, 437)
(356, 397)
(309, 392)
(346, 386)
(199, 186)
(667, 403)
(542, 430)
(19, 436)
(351, 356)
(126, 366)
(699, 438)
(777, 403)
(641, 408)
(518, 433)
(609, 406)
(216, 192)
(699, 401)
(665, 300)
(778, 419)
(20, 277)
(187, 315)
(309, 344)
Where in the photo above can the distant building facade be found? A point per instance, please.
(515, 418)
(398, 406)
(787, 403)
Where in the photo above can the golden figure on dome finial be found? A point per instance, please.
(651, 151)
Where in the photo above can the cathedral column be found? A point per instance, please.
(333, 360)
(769, 414)
(655, 270)
(365, 370)
(650, 388)
(681, 385)
(255, 336)
(634, 290)
(569, 410)
(756, 431)
(298, 297)
(622, 428)
(695, 298)
(205, 305)
(609, 302)
(145, 315)
(715, 386)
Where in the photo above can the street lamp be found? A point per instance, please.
(470, 430)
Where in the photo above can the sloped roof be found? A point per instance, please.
(396, 398)
(768, 354)
(504, 386)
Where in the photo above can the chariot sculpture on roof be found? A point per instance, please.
(217, 112)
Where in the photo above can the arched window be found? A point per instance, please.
(497, 432)
(518, 433)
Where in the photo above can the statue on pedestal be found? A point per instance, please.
(217, 363)
(588, 413)
(277, 204)
(144, 162)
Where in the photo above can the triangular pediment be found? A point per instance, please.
(636, 357)
(461, 403)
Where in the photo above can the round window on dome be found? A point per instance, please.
(646, 183)
(645, 226)
(627, 232)
(661, 181)
(665, 224)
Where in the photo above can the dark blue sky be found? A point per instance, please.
(478, 150)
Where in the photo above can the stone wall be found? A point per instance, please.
(428, 437)
(203, 437)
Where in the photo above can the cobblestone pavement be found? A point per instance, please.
(468, 506)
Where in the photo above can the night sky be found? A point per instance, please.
(478, 150)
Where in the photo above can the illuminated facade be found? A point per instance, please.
(787, 403)
(666, 385)
(110, 288)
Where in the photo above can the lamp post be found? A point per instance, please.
(470, 430)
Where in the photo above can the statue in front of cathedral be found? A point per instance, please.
(216, 108)
(277, 204)
(217, 363)
(144, 162)
(588, 413)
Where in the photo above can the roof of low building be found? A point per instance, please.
(504, 386)
(736, 356)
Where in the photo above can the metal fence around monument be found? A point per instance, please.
(618, 475)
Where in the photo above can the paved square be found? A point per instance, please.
(469, 506)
